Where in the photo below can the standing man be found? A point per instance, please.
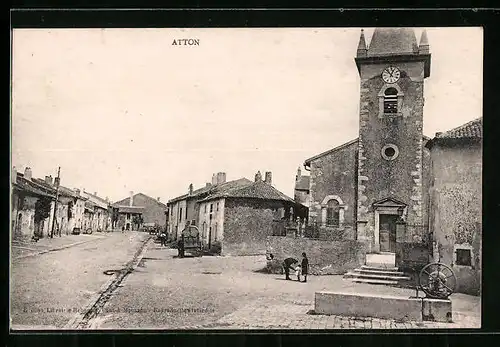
(287, 265)
(305, 266)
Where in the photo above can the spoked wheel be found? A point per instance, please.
(89, 231)
(437, 280)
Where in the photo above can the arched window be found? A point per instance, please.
(333, 213)
(391, 101)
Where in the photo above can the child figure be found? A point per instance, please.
(298, 272)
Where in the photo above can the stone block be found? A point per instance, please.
(368, 305)
(437, 310)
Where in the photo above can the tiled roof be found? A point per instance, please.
(254, 190)
(302, 183)
(470, 130)
(130, 209)
(212, 189)
(30, 187)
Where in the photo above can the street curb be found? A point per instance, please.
(73, 323)
(56, 249)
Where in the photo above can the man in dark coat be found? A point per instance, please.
(305, 266)
(180, 247)
(287, 265)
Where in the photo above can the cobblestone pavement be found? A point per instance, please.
(166, 292)
(300, 316)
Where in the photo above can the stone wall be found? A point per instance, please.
(334, 174)
(325, 257)
(247, 223)
(456, 208)
(400, 178)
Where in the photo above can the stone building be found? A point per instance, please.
(364, 188)
(302, 193)
(32, 206)
(455, 202)
(97, 216)
(138, 209)
(241, 217)
(375, 188)
(184, 210)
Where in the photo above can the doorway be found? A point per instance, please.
(387, 232)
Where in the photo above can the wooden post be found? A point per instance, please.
(55, 204)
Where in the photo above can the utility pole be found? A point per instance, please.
(57, 198)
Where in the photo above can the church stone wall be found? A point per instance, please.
(335, 174)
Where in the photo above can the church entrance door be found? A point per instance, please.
(387, 229)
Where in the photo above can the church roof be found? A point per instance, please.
(308, 161)
(392, 41)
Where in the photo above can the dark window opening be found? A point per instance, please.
(333, 213)
(389, 152)
(391, 101)
(211, 208)
(180, 214)
(464, 257)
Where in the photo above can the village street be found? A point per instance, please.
(50, 284)
(165, 292)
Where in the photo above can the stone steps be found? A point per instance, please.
(387, 274)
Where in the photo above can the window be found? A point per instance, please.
(391, 101)
(464, 257)
(211, 208)
(217, 206)
(390, 151)
(186, 214)
(333, 213)
(180, 215)
(128, 215)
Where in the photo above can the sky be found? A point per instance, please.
(123, 110)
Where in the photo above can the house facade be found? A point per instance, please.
(97, 214)
(242, 217)
(184, 210)
(32, 206)
(455, 202)
(131, 213)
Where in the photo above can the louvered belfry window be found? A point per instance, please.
(391, 101)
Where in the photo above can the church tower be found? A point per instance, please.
(392, 71)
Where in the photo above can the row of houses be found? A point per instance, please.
(77, 211)
(238, 214)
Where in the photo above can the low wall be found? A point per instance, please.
(325, 257)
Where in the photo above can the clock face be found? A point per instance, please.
(391, 74)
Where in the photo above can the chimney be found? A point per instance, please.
(158, 199)
(269, 177)
(77, 191)
(299, 174)
(208, 184)
(48, 180)
(214, 180)
(27, 173)
(57, 181)
(258, 176)
(14, 175)
(221, 177)
(190, 189)
(95, 193)
(131, 199)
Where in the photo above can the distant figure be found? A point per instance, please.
(298, 271)
(287, 265)
(123, 229)
(163, 239)
(180, 247)
(305, 266)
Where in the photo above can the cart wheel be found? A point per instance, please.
(89, 231)
(437, 280)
